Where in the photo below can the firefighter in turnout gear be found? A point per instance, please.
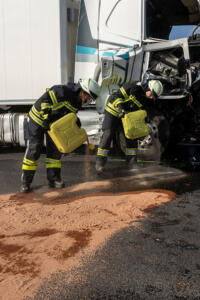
(56, 102)
(128, 98)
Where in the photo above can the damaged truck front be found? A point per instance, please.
(169, 50)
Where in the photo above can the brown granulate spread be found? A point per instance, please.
(44, 232)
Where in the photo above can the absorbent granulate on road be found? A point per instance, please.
(134, 245)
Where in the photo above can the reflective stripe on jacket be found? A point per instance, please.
(118, 101)
(57, 98)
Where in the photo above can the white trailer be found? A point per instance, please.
(37, 50)
(35, 47)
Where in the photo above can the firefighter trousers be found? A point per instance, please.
(109, 127)
(35, 135)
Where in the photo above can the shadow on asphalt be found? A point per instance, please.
(79, 169)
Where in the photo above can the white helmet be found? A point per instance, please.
(155, 87)
(91, 87)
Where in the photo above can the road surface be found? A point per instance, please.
(136, 251)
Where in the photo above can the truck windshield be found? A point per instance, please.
(182, 31)
(171, 19)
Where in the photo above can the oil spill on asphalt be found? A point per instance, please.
(16, 258)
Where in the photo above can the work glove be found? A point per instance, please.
(46, 125)
(46, 112)
(78, 122)
(122, 113)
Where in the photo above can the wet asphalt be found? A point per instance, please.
(79, 167)
(157, 259)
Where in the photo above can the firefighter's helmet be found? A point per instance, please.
(155, 87)
(91, 87)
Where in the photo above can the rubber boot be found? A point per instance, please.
(100, 164)
(25, 188)
(26, 180)
(58, 184)
(132, 163)
(54, 178)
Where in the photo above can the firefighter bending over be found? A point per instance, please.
(126, 99)
(56, 102)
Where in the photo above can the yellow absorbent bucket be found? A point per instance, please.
(134, 124)
(66, 134)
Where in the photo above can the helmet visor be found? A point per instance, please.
(93, 95)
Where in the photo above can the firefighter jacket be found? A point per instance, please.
(129, 97)
(55, 103)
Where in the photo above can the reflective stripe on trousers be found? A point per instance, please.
(29, 165)
(102, 152)
(131, 151)
(53, 163)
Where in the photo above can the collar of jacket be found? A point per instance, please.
(75, 87)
